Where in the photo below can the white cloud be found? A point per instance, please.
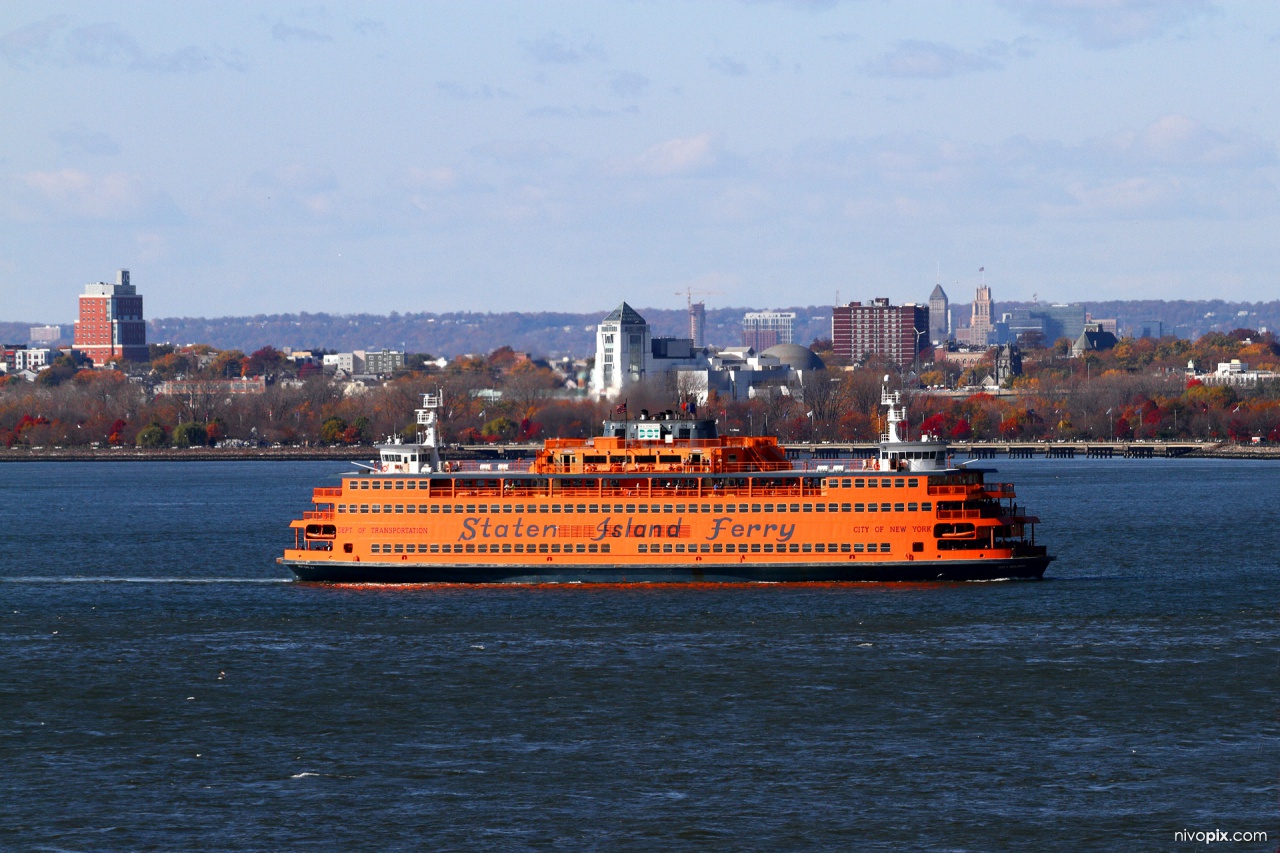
(1111, 23)
(370, 27)
(280, 31)
(519, 152)
(803, 5)
(928, 59)
(54, 41)
(79, 139)
(1131, 195)
(629, 84)
(111, 197)
(1173, 167)
(740, 203)
(728, 66)
(461, 92)
(576, 112)
(438, 179)
(150, 246)
(1179, 140)
(298, 178)
(33, 44)
(674, 157)
(556, 49)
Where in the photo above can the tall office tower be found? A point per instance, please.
(939, 316)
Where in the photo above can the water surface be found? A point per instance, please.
(164, 686)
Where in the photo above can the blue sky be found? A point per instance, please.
(248, 158)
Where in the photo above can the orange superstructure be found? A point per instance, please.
(666, 499)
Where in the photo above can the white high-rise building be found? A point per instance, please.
(764, 329)
(623, 351)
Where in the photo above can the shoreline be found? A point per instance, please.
(366, 454)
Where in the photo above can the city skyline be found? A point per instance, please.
(244, 159)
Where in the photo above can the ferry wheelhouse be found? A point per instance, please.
(662, 499)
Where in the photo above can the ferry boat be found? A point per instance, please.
(661, 499)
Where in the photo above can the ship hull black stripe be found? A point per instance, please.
(1024, 568)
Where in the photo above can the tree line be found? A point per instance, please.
(1139, 389)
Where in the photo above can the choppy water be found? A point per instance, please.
(164, 687)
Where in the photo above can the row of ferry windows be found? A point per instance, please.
(832, 483)
(767, 548)
(664, 548)
(505, 548)
(620, 509)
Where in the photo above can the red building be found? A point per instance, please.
(896, 332)
(111, 325)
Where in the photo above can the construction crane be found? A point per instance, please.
(688, 293)
(695, 324)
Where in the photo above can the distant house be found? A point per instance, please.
(1234, 372)
(1093, 339)
(381, 363)
(341, 362)
(213, 387)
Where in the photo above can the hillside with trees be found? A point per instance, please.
(558, 334)
(1138, 389)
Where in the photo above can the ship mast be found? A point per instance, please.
(428, 435)
(895, 417)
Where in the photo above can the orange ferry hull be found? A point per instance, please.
(666, 501)
(1015, 568)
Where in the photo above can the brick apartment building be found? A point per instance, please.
(111, 325)
(896, 332)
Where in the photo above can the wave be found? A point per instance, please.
(114, 579)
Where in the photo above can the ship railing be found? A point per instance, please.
(751, 467)
(834, 466)
(999, 489)
(948, 490)
(473, 466)
(606, 468)
(844, 466)
(326, 492)
(799, 466)
(321, 515)
(958, 514)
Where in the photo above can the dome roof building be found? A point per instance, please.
(796, 357)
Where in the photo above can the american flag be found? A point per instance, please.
(622, 408)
